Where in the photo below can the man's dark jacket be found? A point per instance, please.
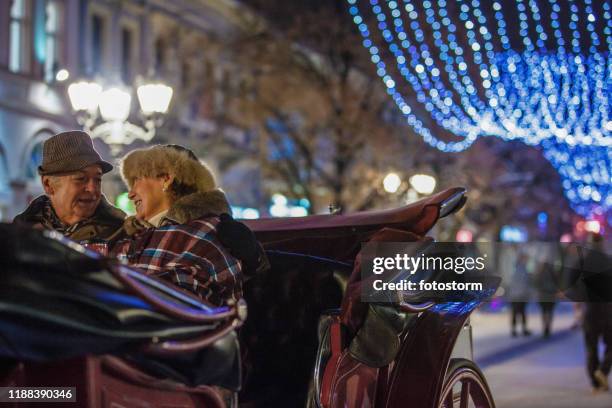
(104, 224)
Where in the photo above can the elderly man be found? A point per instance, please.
(73, 204)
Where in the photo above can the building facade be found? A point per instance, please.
(47, 44)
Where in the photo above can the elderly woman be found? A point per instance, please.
(174, 233)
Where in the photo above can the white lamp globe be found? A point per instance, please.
(115, 104)
(84, 96)
(392, 182)
(154, 98)
(423, 183)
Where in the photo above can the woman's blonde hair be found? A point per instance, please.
(190, 175)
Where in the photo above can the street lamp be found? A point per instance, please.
(392, 182)
(423, 184)
(104, 113)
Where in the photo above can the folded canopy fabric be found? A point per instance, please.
(59, 300)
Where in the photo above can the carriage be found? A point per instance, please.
(302, 336)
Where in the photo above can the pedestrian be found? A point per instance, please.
(597, 320)
(547, 309)
(174, 234)
(73, 204)
(597, 326)
(547, 285)
(518, 294)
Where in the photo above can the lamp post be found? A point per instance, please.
(104, 113)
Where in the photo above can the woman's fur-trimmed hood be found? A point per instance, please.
(184, 210)
(197, 205)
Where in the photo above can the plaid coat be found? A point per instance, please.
(186, 251)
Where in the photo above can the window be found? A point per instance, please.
(97, 43)
(4, 176)
(4, 187)
(54, 43)
(127, 39)
(160, 55)
(34, 159)
(185, 74)
(36, 38)
(19, 46)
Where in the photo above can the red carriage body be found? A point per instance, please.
(308, 339)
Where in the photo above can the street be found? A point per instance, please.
(533, 372)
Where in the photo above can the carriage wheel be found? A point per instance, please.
(465, 387)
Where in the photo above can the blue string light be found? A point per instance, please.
(547, 85)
